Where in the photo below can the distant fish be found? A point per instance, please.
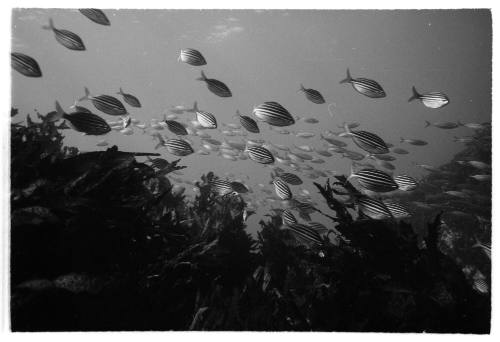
(398, 150)
(374, 180)
(367, 141)
(215, 86)
(130, 99)
(102, 143)
(176, 127)
(442, 125)
(288, 218)
(464, 140)
(479, 164)
(312, 95)
(472, 125)
(309, 120)
(274, 114)
(323, 153)
(333, 141)
(25, 65)
(365, 86)
(192, 57)
(260, 155)
(66, 38)
(105, 103)
(415, 142)
(87, 123)
(373, 208)
(397, 210)
(248, 123)
(385, 157)
(206, 119)
(431, 100)
(281, 189)
(305, 148)
(96, 15)
(405, 182)
(481, 178)
(305, 135)
(459, 194)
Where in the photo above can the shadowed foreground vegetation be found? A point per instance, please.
(100, 242)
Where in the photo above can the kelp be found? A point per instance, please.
(100, 241)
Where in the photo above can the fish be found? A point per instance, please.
(274, 114)
(102, 143)
(479, 165)
(398, 150)
(287, 217)
(442, 125)
(472, 125)
(127, 131)
(415, 142)
(385, 157)
(318, 227)
(281, 189)
(374, 180)
(130, 99)
(87, 123)
(96, 15)
(484, 247)
(364, 86)
(367, 141)
(248, 123)
(215, 86)
(192, 57)
(304, 156)
(206, 119)
(352, 155)
(323, 153)
(176, 127)
(397, 210)
(464, 140)
(260, 155)
(457, 194)
(317, 161)
(25, 65)
(239, 187)
(221, 187)
(105, 103)
(290, 178)
(310, 120)
(305, 148)
(158, 163)
(432, 100)
(373, 208)
(333, 141)
(312, 95)
(177, 147)
(480, 285)
(305, 234)
(405, 182)
(305, 135)
(66, 38)
(481, 178)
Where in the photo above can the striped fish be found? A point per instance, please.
(81, 109)
(405, 182)
(480, 285)
(373, 208)
(305, 234)
(215, 86)
(304, 207)
(96, 15)
(365, 86)
(367, 141)
(176, 127)
(375, 180)
(248, 123)
(206, 119)
(260, 154)
(397, 210)
(105, 103)
(318, 227)
(130, 99)
(177, 147)
(221, 187)
(25, 65)
(192, 57)
(274, 114)
(287, 217)
(312, 95)
(158, 163)
(431, 100)
(239, 187)
(290, 178)
(66, 38)
(87, 123)
(485, 247)
(281, 189)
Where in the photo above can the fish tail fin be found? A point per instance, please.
(301, 88)
(120, 92)
(195, 106)
(348, 78)
(59, 111)
(87, 95)
(427, 123)
(50, 26)
(415, 95)
(346, 128)
(203, 77)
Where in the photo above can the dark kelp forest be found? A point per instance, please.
(100, 242)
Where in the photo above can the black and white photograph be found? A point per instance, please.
(249, 170)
